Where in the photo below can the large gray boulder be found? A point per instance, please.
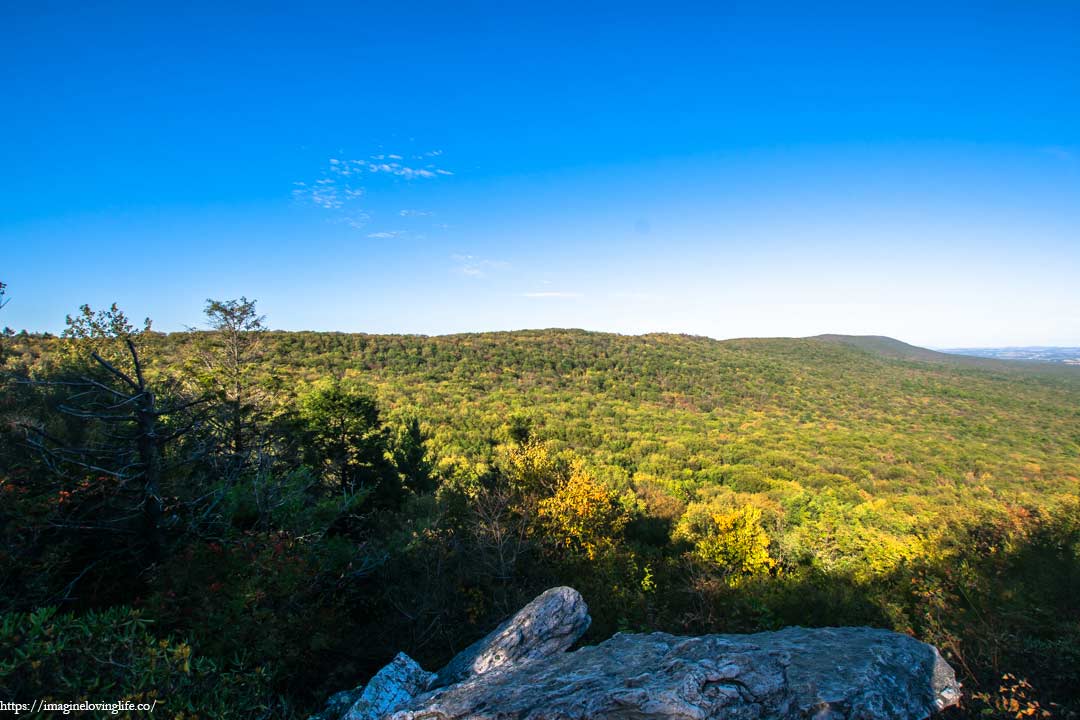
(548, 625)
(522, 672)
(391, 688)
(824, 674)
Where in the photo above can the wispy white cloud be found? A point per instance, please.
(357, 221)
(472, 266)
(399, 170)
(339, 188)
(552, 295)
(389, 164)
(321, 192)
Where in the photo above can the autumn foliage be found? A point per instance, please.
(328, 500)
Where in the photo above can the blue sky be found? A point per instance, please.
(747, 169)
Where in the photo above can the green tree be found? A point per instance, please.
(6, 332)
(519, 428)
(230, 355)
(411, 458)
(105, 333)
(347, 441)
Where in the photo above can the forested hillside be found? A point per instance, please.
(328, 499)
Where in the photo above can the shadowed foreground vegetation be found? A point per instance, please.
(244, 521)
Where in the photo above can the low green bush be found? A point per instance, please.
(113, 655)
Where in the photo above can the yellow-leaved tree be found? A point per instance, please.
(584, 515)
(730, 539)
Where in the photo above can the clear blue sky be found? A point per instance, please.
(726, 169)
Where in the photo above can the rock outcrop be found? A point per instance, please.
(522, 674)
(391, 688)
(827, 673)
(548, 625)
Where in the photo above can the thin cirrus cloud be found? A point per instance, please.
(356, 220)
(552, 295)
(400, 234)
(390, 164)
(323, 193)
(344, 183)
(475, 267)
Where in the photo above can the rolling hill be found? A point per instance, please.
(865, 432)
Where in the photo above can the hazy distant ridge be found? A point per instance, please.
(1066, 355)
(890, 347)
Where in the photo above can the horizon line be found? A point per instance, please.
(948, 349)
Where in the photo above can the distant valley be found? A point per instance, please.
(1066, 355)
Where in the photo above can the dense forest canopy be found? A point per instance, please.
(327, 499)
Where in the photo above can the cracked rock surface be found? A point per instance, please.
(794, 673)
(522, 672)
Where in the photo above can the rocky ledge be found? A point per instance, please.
(521, 671)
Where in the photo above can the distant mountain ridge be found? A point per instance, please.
(983, 357)
(887, 346)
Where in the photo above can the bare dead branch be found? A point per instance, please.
(118, 373)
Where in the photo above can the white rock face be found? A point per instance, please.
(548, 625)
